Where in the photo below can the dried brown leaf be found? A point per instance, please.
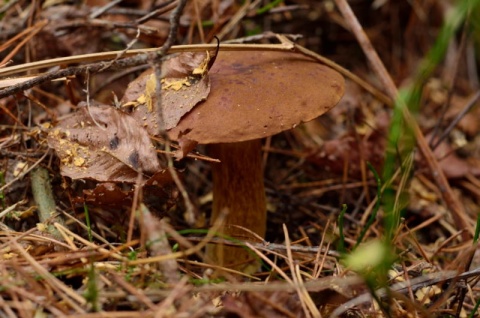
(113, 147)
(454, 166)
(158, 194)
(185, 83)
(350, 150)
(186, 145)
(108, 194)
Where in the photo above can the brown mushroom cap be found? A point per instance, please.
(258, 94)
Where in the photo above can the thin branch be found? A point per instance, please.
(102, 56)
(270, 247)
(164, 7)
(174, 19)
(23, 173)
(190, 215)
(472, 101)
(104, 9)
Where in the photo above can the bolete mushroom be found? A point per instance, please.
(253, 95)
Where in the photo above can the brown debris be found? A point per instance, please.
(104, 144)
(185, 83)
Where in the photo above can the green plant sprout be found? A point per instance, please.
(131, 256)
(474, 310)
(87, 221)
(92, 294)
(477, 230)
(340, 220)
(269, 6)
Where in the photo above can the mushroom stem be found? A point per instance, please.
(238, 188)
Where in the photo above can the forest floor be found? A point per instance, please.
(372, 208)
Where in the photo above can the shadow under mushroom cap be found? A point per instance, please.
(258, 94)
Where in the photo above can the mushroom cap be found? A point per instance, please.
(258, 94)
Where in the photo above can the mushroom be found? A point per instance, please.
(253, 95)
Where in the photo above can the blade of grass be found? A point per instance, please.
(373, 216)
(477, 230)
(340, 220)
(92, 294)
(87, 221)
(474, 310)
(269, 6)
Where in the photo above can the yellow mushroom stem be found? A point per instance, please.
(238, 189)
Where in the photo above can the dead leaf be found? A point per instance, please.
(108, 194)
(186, 145)
(185, 83)
(350, 149)
(156, 192)
(452, 165)
(112, 147)
(184, 64)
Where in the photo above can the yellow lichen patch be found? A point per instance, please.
(78, 161)
(55, 133)
(46, 125)
(33, 132)
(150, 92)
(151, 84)
(134, 103)
(71, 153)
(175, 84)
(141, 100)
(9, 255)
(41, 227)
(19, 168)
(425, 294)
(28, 213)
(202, 69)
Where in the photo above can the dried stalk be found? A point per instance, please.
(138, 54)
